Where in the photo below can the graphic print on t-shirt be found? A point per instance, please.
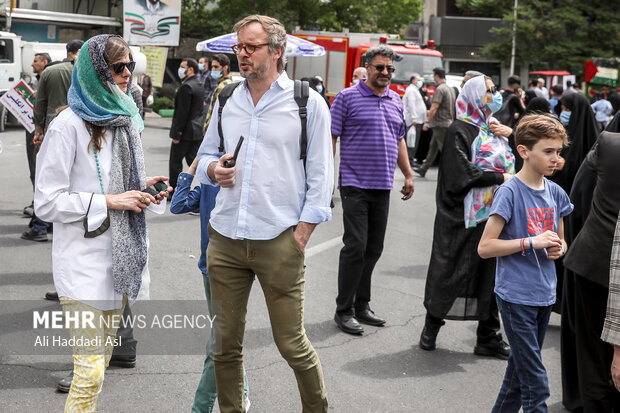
(539, 220)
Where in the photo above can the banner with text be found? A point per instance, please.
(155, 63)
(152, 22)
(20, 102)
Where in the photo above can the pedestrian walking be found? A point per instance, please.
(90, 173)
(368, 118)
(202, 198)
(187, 121)
(415, 114)
(526, 233)
(440, 117)
(459, 284)
(268, 205)
(588, 263)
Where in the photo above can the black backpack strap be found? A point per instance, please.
(301, 93)
(222, 98)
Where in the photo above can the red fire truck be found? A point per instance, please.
(344, 51)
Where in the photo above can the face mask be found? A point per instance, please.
(201, 66)
(216, 74)
(565, 117)
(420, 84)
(356, 81)
(497, 102)
(182, 73)
(319, 88)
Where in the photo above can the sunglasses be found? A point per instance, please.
(381, 68)
(249, 48)
(492, 90)
(120, 67)
(102, 228)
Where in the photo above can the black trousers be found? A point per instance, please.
(594, 356)
(487, 330)
(125, 332)
(179, 151)
(31, 155)
(365, 215)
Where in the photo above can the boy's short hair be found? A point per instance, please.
(535, 127)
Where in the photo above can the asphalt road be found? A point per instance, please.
(381, 371)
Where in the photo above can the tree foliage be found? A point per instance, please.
(206, 18)
(552, 34)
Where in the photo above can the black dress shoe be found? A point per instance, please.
(368, 317)
(419, 171)
(64, 385)
(428, 338)
(52, 296)
(348, 324)
(127, 362)
(495, 348)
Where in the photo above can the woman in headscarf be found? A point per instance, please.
(580, 123)
(459, 284)
(91, 184)
(537, 105)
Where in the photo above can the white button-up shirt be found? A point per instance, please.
(271, 192)
(413, 106)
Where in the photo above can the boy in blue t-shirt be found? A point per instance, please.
(526, 233)
(183, 200)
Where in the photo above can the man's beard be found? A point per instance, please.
(258, 71)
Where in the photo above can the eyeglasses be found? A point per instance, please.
(249, 48)
(381, 68)
(120, 67)
(492, 90)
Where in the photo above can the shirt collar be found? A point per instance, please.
(363, 88)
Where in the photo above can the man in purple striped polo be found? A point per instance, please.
(368, 118)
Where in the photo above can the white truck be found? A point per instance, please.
(16, 56)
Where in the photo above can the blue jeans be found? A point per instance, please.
(206, 391)
(40, 226)
(525, 382)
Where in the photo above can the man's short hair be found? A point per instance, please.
(413, 76)
(74, 46)
(557, 89)
(44, 56)
(514, 80)
(532, 128)
(191, 62)
(276, 34)
(440, 72)
(381, 50)
(222, 59)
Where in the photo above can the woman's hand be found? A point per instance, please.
(163, 194)
(193, 167)
(500, 130)
(134, 201)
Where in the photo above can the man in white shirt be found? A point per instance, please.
(265, 211)
(415, 113)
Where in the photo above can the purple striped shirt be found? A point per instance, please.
(369, 127)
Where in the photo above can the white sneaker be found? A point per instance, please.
(247, 404)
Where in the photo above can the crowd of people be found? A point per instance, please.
(526, 221)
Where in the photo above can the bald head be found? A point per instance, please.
(359, 74)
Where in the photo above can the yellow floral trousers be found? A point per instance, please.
(92, 349)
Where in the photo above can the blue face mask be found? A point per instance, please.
(497, 102)
(201, 66)
(319, 88)
(216, 74)
(565, 117)
(420, 84)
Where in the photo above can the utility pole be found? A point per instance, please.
(514, 40)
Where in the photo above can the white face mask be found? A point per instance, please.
(356, 81)
(419, 84)
(182, 73)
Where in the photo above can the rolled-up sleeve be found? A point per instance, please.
(54, 201)
(319, 164)
(208, 151)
